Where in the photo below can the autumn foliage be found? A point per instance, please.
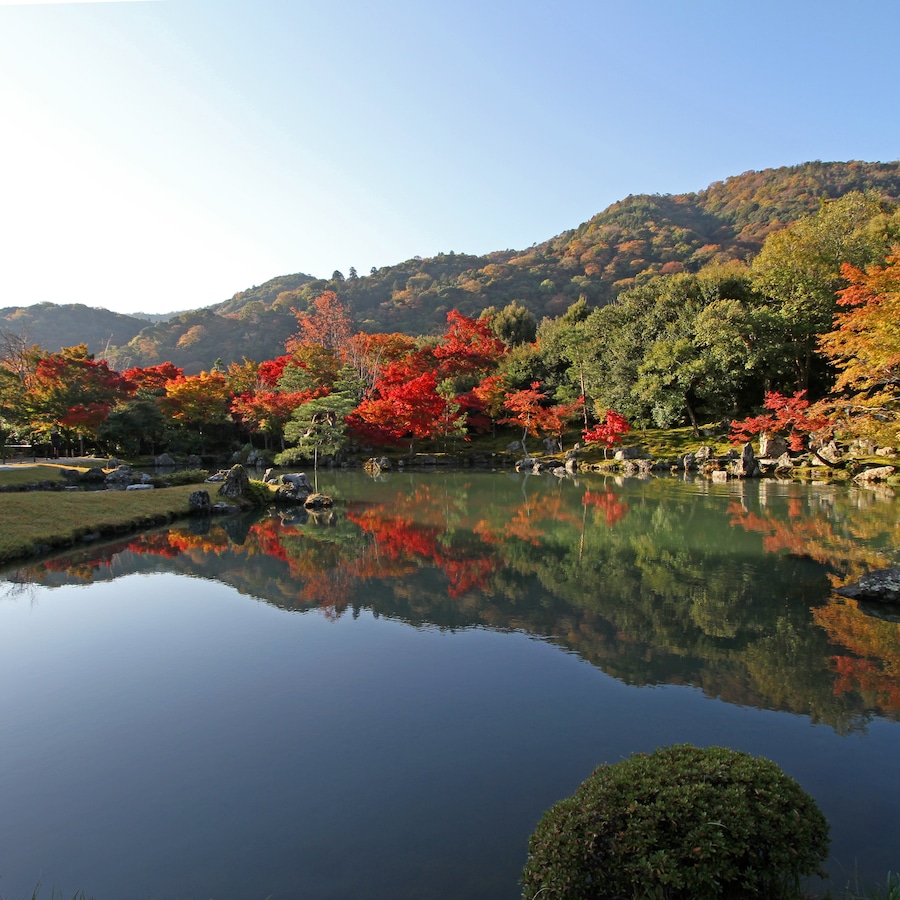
(609, 432)
(787, 416)
(865, 342)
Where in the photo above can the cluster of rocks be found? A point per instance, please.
(550, 467)
(116, 477)
(236, 492)
(774, 459)
(378, 465)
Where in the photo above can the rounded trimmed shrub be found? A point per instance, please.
(679, 823)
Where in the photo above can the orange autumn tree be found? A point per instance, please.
(531, 411)
(401, 406)
(261, 404)
(319, 347)
(468, 347)
(368, 355)
(491, 393)
(326, 323)
(865, 344)
(198, 401)
(268, 412)
(152, 380)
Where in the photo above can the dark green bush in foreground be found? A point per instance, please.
(679, 823)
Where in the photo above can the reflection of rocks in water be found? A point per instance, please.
(237, 527)
(200, 524)
(297, 518)
(324, 518)
(878, 610)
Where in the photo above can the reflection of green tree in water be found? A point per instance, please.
(650, 581)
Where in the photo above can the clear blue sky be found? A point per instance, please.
(159, 155)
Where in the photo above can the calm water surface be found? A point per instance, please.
(381, 701)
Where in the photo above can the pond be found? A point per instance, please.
(380, 701)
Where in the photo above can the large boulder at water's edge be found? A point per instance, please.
(294, 488)
(878, 473)
(771, 446)
(199, 502)
(318, 501)
(746, 466)
(236, 484)
(120, 476)
(882, 585)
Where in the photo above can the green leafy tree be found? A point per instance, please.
(318, 427)
(134, 427)
(565, 349)
(799, 268)
(679, 346)
(514, 324)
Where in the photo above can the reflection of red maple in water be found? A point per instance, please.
(84, 567)
(403, 540)
(410, 533)
(870, 667)
(814, 536)
(166, 545)
(609, 503)
(267, 535)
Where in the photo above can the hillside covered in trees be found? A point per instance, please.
(808, 319)
(59, 325)
(619, 249)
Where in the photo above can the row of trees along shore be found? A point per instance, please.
(814, 316)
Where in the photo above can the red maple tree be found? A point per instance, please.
(787, 416)
(608, 432)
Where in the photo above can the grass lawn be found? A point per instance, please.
(41, 520)
(18, 474)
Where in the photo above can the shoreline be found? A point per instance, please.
(36, 517)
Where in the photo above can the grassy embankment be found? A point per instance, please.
(37, 521)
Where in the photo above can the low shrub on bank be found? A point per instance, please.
(259, 493)
(185, 476)
(679, 823)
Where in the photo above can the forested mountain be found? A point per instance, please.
(618, 249)
(55, 325)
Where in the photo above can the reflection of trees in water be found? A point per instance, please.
(653, 582)
(865, 655)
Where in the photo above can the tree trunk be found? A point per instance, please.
(583, 396)
(692, 416)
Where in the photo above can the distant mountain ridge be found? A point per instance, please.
(55, 325)
(632, 240)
